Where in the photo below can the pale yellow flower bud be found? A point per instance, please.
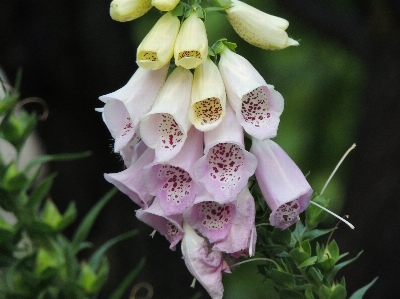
(191, 46)
(208, 97)
(165, 5)
(259, 28)
(157, 48)
(128, 10)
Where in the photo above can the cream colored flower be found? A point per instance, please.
(191, 46)
(165, 5)
(259, 28)
(128, 10)
(157, 48)
(208, 97)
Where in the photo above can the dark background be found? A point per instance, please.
(71, 52)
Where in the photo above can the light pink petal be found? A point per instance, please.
(133, 150)
(210, 218)
(166, 126)
(239, 238)
(204, 264)
(130, 180)
(282, 183)
(226, 166)
(118, 123)
(139, 94)
(171, 181)
(168, 226)
(257, 105)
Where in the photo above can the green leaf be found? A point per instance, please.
(86, 224)
(360, 292)
(53, 158)
(179, 10)
(281, 237)
(289, 294)
(308, 262)
(309, 293)
(339, 292)
(119, 291)
(315, 233)
(40, 192)
(98, 254)
(282, 278)
(68, 217)
(315, 276)
(333, 250)
(299, 255)
(337, 267)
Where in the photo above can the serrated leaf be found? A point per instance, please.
(98, 254)
(361, 292)
(86, 224)
(119, 291)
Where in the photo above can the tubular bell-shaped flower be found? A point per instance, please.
(226, 165)
(282, 183)
(171, 181)
(208, 97)
(166, 126)
(191, 46)
(257, 105)
(240, 237)
(125, 106)
(259, 28)
(128, 10)
(157, 48)
(204, 264)
(168, 226)
(165, 5)
(130, 180)
(211, 219)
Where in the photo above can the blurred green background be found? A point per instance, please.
(341, 86)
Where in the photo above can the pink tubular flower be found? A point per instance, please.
(168, 226)
(282, 183)
(204, 264)
(211, 219)
(130, 180)
(171, 181)
(240, 240)
(257, 105)
(226, 166)
(166, 126)
(125, 106)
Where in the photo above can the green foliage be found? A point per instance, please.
(297, 263)
(36, 259)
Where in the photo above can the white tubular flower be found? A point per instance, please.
(165, 5)
(157, 48)
(191, 46)
(208, 97)
(128, 10)
(259, 28)
(166, 126)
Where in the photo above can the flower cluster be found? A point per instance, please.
(182, 136)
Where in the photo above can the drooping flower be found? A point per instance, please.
(165, 5)
(191, 46)
(242, 236)
(133, 150)
(259, 28)
(257, 105)
(130, 181)
(211, 219)
(171, 181)
(139, 94)
(208, 97)
(282, 183)
(168, 226)
(166, 126)
(157, 48)
(128, 10)
(204, 264)
(226, 165)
